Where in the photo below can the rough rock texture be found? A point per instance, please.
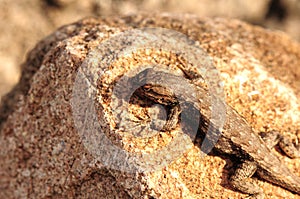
(43, 155)
(25, 22)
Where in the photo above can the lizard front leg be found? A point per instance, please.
(165, 97)
(172, 118)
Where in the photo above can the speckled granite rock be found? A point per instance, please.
(43, 155)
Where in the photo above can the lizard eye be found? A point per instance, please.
(147, 88)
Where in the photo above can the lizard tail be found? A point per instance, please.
(283, 177)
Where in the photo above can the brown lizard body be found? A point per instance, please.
(236, 139)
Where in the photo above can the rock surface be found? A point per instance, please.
(43, 155)
(26, 22)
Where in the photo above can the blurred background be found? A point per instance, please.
(25, 22)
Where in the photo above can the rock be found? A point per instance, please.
(20, 32)
(44, 153)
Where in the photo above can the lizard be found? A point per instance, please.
(237, 139)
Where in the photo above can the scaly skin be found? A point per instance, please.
(236, 139)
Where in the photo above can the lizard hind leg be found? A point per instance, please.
(286, 144)
(241, 180)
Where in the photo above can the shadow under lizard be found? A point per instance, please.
(236, 139)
